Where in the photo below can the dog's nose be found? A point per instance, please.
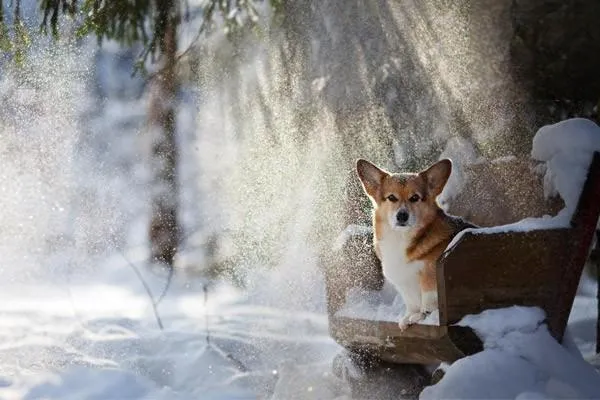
(402, 217)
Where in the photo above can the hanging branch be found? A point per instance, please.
(141, 21)
(52, 10)
(5, 43)
(22, 40)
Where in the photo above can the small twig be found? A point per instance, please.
(239, 365)
(206, 324)
(167, 285)
(178, 58)
(148, 291)
(67, 287)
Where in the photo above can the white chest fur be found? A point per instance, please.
(403, 274)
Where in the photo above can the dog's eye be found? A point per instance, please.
(392, 198)
(414, 198)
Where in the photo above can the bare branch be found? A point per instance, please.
(147, 288)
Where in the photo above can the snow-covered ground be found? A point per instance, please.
(101, 342)
(75, 320)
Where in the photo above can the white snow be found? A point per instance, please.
(525, 225)
(384, 305)
(75, 322)
(521, 360)
(492, 325)
(87, 383)
(104, 344)
(567, 148)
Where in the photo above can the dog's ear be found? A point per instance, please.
(436, 176)
(370, 176)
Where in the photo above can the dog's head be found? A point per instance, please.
(404, 200)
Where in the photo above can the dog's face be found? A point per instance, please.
(404, 200)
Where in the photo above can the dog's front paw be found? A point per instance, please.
(409, 319)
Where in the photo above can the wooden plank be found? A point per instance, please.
(379, 331)
(494, 270)
(457, 343)
(583, 225)
(422, 344)
(421, 351)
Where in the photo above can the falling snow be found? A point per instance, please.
(264, 175)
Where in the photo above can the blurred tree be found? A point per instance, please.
(154, 24)
(164, 229)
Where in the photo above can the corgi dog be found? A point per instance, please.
(411, 231)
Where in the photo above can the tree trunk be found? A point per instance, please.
(164, 231)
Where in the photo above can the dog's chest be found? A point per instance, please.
(395, 264)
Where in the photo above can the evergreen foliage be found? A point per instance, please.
(128, 21)
(17, 42)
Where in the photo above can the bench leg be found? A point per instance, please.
(371, 378)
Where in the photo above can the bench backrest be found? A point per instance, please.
(536, 268)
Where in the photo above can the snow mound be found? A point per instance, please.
(521, 360)
(493, 325)
(567, 148)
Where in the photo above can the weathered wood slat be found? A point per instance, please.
(495, 270)
(379, 331)
(421, 344)
(583, 226)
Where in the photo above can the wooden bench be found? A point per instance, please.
(540, 268)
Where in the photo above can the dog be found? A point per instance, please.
(411, 231)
